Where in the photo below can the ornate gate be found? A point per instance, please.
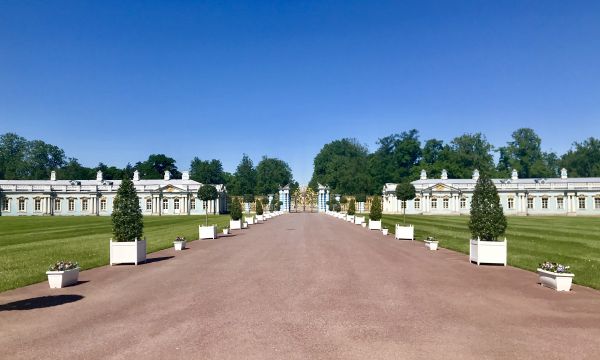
(304, 199)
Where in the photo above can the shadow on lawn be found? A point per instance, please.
(40, 302)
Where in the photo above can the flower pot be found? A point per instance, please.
(374, 224)
(404, 232)
(235, 224)
(226, 231)
(384, 231)
(245, 225)
(179, 245)
(60, 279)
(124, 252)
(488, 252)
(364, 224)
(350, 218)
(207, 232)
(358, 220)
(556, 281)
(431, 244)
(260, 218)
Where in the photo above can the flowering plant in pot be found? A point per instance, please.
(179, 243)
(431, 243)
(128, 226)
(62, 273)
(555, 276)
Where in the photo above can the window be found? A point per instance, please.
(84, 204)
(596, 203)
(165, 204)
(445, 203)
(56, 204)
(175, 204)
(148, 204)
(544, 203)
(193, 204)
(403, 204)
(463, 203)
(37, 205)
(530, 203)
(71, 204)
(560, 203)
(5, 204)
(417, 203)
(582, 203)
(102, 204)
(511, 203)
(21, 204)
(434, 203)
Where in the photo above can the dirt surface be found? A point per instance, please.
(301, 286)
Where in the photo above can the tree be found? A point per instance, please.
(207, 172)
(259, 207)
(524, 153)
(394, 159)
(375, 212)
(271, 174)
(207, 193)
(127, 219)
(41, 158)
(584, 159)
(487, 220)
(155, 167)
(244, 178)
(467, 153)
(235, 210)
(352, 207)
(112, 172)
(12, 157)
(74, 170)
(342, 165)
(404, 192)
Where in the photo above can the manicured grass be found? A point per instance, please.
(28, 245)
(573, 241)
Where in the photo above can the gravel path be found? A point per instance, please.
(302, 286)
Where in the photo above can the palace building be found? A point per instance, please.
(552, 196)
(95, 197)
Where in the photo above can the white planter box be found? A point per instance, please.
(235, 224)
(384, 231)
(405, 232)
(60, 279)
(179, 245)
(250, 220)
(431, 244)
(556, 281)
(245, 225)
(226, 231)
(260, 218)
(488, 252)
(350, 218)
(207, 232)
(374, 225)
(126, 252)
(358, 220)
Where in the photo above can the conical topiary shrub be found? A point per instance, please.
(259, 207)
(127, 218)
(352, 207)
(487, 217)
(235, 210)
(375, 212)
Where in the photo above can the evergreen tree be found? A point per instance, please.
(207, 193)
(487, 218)
(352, 207)
(405, 192)
(375, 212)
(127, 219)
(235, 210)
(259, 207)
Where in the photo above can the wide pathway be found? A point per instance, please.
(301, 286)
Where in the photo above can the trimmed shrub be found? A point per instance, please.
(235, 210)
(127, 218)
(343, 200)
(207, 193)
(248, 198)
(361, 198)
(487, 220)
(259, 207)
(375, 212)
(337, 207)
(405, 192)
(352, 207)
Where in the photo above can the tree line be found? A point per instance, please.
(22, 159)
(347, 166)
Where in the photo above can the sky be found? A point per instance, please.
(114, 81)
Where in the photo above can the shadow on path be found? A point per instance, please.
(157, 259)
(40, 302)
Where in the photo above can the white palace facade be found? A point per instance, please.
(165, 196)
(552, 196)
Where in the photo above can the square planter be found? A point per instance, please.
(127, 252)
(556, 281)
(225, 231)
(179, 245)
(245, 225)
(431, 244)
(350, 218)
(60, 279)
(207, 232)
(384, 231)
(404, 232)
(260, 218)
(358, 220)
(250, 220)
(235, 224)
(488, 252)
(374, 225)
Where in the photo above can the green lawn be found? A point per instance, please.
(28, 245)
(573, 241)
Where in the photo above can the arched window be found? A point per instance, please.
(193, 204)
(165, 204)
(582, 202)
(433, 203)
(22, 204)
(176, 204)
(102, 204)
(148, 204)
(57, 204)
(463, 202)
(417, 203)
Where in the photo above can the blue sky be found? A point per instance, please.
(114, 81)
